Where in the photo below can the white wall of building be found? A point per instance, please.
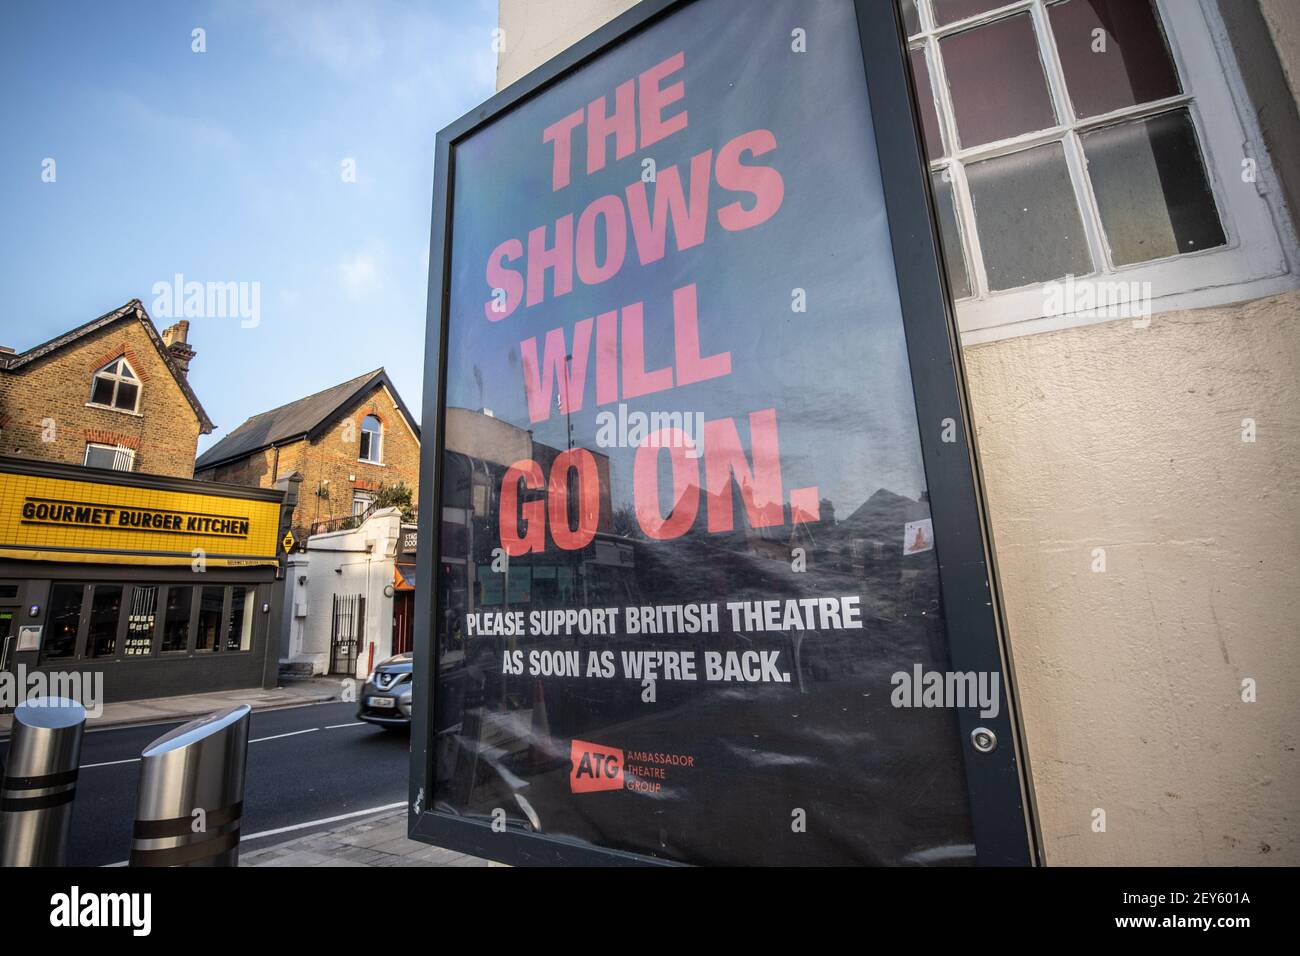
(360, 561)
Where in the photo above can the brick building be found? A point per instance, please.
(345, 442)
(111, 394)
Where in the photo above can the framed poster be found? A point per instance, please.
(694, 395)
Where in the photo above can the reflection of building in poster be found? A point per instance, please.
(673, 586)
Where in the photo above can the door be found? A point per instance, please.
(346, 629)
(403, 621)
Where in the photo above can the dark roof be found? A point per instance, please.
(132, 310)
(305, 418)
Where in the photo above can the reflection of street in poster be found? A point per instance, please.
(671, 280)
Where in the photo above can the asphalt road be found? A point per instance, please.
(305, 764)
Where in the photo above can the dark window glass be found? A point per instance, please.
(996, 80)
(126, 395)
(211, 602)
(953, 255)
(1151, 188)
(370, 433)
(176, 621)
(64, 619)
(1127, 63)
(239, 629)
(950, 11)
(925, 98)
(105, 611)
(911, 22)
(103, 391)
(1027, 218)
(140, 620)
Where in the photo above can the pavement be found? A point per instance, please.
(378, 841)
(322, 790)
(155, 710)
(310, 768)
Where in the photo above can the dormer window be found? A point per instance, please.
(371, 440)
(116, 386)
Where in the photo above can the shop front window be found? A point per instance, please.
(64, 621)
(176, 619)
(239, 629)
(211, 602)
(105, 610)
(140, 622)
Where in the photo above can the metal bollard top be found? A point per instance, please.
(49, 713)
(196, 730)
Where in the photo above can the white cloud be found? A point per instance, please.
(359, 274)
(159, 126)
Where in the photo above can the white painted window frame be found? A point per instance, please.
(117, 379)
(376, 446)
(1259, 256)
(121, 456)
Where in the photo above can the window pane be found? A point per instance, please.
(103, 391)
(1128, 63)
(105, 609)
(950, 11)
(1151, 188)
(139, 622)
(64, 618)
(176, 622)
(210, 607)
(239, 632)
(365, 446)
(953, 256)
(124, 370)
(911, 22)
(996, 79)
(1028, 222)
(925, 97)
(126, 393)
(98, 456)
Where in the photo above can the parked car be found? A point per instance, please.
(385, 699)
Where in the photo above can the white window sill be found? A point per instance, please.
(1016, 314)
(110, 408)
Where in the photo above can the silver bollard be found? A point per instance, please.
(40, 782)
(191, 797)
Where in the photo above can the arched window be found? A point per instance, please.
(372, 431)
(116, 386)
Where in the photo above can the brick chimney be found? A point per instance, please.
(174, 337)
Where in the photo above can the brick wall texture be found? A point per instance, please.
(329, 463)
(45, 411)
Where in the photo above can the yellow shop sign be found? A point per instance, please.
(47, 517)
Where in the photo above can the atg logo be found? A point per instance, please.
(595, 767)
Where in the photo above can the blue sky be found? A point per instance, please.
(228, 166)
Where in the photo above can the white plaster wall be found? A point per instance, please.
(1283, 19)
(1130, 440)
(360, 561)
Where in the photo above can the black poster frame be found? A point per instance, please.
(998, 781)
